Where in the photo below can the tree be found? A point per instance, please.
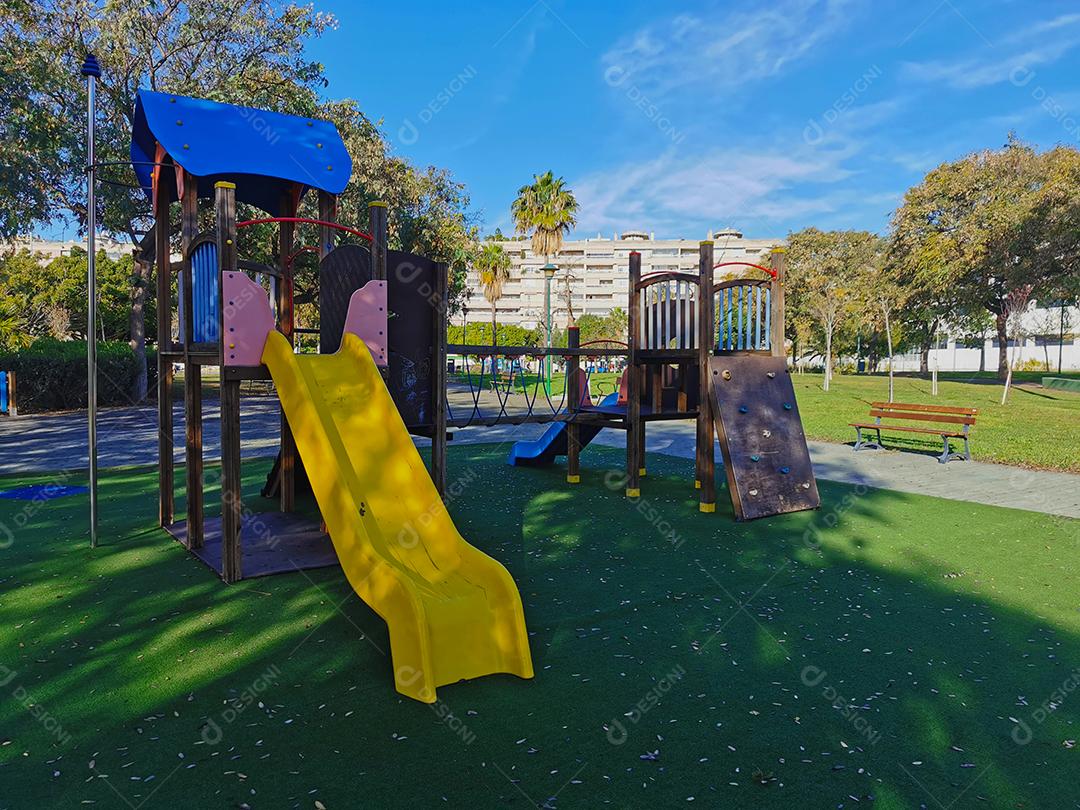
(1016, 304)
(978, 230)
(49, 299)
(548, 210)
(828, 267)
(884, 295)
(248, 52)
(493, 265)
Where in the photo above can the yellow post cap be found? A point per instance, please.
(224, 184)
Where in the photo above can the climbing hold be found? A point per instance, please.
(743, 409)
(806, 485)
(727, 374)
(785, 470)
(766, 434)
(771, 374)
(787, 406)
(755, 457)
(753, 492)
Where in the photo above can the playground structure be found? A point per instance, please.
(7, 394)
(711, 351)
(452, 611)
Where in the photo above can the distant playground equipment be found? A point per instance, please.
(7, 394)
(717, 358)
(452, 611)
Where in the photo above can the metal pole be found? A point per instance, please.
(1061, 334)
(549, 273)
(91, 71)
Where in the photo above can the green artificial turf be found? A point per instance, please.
(680, 658)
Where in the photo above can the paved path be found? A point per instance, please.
(129, 436)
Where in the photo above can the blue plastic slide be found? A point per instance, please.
(553, 443)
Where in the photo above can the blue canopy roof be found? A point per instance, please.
(263, 152)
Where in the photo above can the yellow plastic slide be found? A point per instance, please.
(453, 612)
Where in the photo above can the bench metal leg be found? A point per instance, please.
(864, 444)
(947, 455)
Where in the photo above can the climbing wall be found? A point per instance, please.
(757, 421)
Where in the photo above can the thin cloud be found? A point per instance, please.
(1041, 43)
(725, 49)
(724, 185)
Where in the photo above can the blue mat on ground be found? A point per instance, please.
(42, 492)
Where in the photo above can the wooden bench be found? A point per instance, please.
(948, 422)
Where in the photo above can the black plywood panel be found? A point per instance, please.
(757, 421)
(411, 326)
(343, 271)
(410, 296)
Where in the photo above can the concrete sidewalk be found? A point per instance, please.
(30, 444)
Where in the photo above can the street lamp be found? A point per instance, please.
(549, 274)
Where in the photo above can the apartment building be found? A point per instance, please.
(598, 273)
(49, 249)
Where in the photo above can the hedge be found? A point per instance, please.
(50, 374)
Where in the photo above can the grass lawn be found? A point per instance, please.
(678, 656)
(1037, 427)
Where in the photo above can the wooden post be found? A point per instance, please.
(776, 300)
(12, 408)
(166, 495)
(633, 386)
(706, 460)
(193, 428)
(440, 303)
(378, 228)
(573, 398)
(327, 213)
(287, 467)
(231, 495)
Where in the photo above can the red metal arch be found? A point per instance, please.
(745, 264)
(305, 221)
(594, 342)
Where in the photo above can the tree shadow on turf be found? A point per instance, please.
(877, 647)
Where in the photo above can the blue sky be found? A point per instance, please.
(680, 117)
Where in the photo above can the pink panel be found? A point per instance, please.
(248, 320)
(624, 388)
(583, 387)
(366, 318)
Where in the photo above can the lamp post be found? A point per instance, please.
(465, 333)
(549, 274)
(91, 71)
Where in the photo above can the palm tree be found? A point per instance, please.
(548, 209)
(493, 265)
